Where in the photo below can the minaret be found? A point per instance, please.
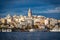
(29, 13)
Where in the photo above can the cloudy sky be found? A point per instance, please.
(21, 6)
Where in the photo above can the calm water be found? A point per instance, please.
(30, 36)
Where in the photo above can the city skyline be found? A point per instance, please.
(38, 7)
(29, 23)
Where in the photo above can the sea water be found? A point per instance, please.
(30, 36)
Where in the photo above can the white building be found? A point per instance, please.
(36, 20)
(46, 21)
(55, 29)
(30, 22)
(6, 30)
(9, 20)
(53, 21)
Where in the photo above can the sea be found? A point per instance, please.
(32, 35)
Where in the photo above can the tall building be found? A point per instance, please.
(29, 13)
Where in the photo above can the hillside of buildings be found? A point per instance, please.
(30, 23)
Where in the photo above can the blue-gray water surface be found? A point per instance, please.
(30, 36)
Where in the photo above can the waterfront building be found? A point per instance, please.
(3, 30)
(8, 30)
(36, 21)
(30, 22)
(22, 18)
(55, 29)
(16, 19)
(58, 21)
(32, 30)
(41, 17)
(8, 20)
(2, 20)
(53, 21)
(19, 25)
(41, 27)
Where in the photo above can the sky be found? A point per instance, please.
(21, 6)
